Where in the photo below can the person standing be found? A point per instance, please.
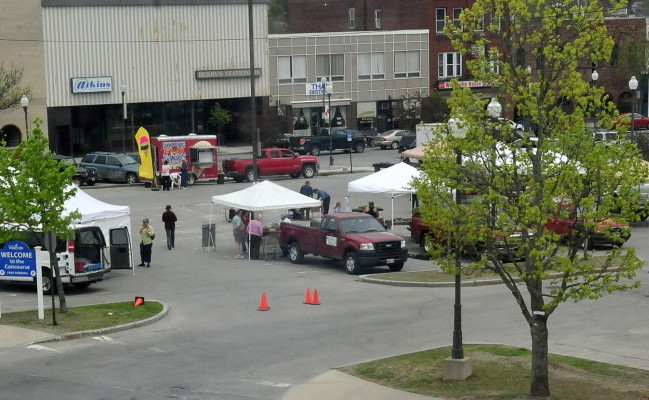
(338, 207)
(166, 175)
(371, 210)
(184, 173)
(256, 231)
(306, 190)
(169, 218)
(239, 233)
(147, 234)
(324, 196)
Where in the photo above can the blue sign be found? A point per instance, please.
(349, 136)
(17, 260)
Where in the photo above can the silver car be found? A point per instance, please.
(390, 139)
(113, 166)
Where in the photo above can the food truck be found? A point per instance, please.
(200, 151)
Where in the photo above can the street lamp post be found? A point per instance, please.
(24, 101)
(633, 85)
(122, 89)
(594, 76)
(327, 88)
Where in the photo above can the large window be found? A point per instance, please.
(291, 69)
(440, 19)
(406, 64)
(371, 66)
(331, 66)
(449, 65)
(352, 18)
(456, 17)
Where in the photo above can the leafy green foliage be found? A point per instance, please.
(35, 188)
(10, 92)
(519, 186)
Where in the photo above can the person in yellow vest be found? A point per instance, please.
(147, 234)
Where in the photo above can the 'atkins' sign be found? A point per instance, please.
(92, 85)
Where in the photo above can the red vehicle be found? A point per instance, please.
(357, 238)
(200, 151)
(639, 121)
(273, 161)
(607, 231)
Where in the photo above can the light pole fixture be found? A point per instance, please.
(122, 89)
(24, 101)
(327, 88)
(594, 76)
(633, 85)
(494, 108)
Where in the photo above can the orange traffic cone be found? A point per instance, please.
(138, 301)
(307, 298)
(263, 305)
(316, 298)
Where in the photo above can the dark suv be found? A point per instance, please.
(87, 176)
(113, 166)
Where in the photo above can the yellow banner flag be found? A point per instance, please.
(144, 148)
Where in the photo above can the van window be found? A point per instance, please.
(118, 237)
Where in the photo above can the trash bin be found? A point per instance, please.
(208, 235)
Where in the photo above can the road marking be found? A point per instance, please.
(105, 339)
(42, 348)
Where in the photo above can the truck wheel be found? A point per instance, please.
(308, 171)
(191, 179)
(77, 181)
(315, 150)
(295, 253)
(352, 265)
(48, 281)
(239, 178)
(397, 266)
(131, 178)
(251, 175)
(294, 176)
(424, 241)
(395, 145)
(359, 147)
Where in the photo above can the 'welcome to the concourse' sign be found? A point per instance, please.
(17, 261)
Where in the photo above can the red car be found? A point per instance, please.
(639, 120)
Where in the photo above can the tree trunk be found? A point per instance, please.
(540, 386)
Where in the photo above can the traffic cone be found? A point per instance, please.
(138, 301)
(263, 305)
(316, 298)
(307, 298)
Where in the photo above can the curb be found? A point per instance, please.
(369, 279)
(101, 331)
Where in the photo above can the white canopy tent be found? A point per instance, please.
(106, 216)
(265, 195)
(393, 181)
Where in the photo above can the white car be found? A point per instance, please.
(390, 139)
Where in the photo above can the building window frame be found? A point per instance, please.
(377, 18)
(351, 13)
(330, 66)
(449, 65)
(407, 64)
(456, 17)
(291, 69)
(440, 20)
(371, 66)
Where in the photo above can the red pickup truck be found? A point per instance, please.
(357, 238)
(273, 161)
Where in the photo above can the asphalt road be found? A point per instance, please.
(215, 344)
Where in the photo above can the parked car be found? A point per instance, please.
(273, 161)
(113, 166)
(83, 176)
(390, 138)
(639, 120)
(407, 142)
(339, 139)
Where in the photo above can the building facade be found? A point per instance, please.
(369, 73)
(109, 67)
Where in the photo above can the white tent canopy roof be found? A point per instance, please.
(265, 195)
(393, 180)
(92, 209)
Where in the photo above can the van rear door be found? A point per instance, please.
(120, 248)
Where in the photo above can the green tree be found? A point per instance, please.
(409, 113)
(10, 91)
(35, 189)
(434, 108)
(219, 117)
(277, 20)
(518, 185)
